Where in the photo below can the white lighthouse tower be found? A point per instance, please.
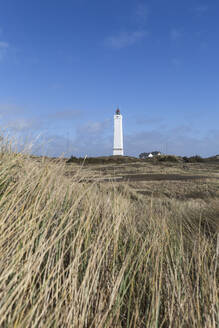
(118, 135)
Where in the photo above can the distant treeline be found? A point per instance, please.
(129, 159)
(102, 160)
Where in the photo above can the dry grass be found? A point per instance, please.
(76, 254)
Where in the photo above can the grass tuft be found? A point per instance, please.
(79, 254)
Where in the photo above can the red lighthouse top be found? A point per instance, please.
(117, 111)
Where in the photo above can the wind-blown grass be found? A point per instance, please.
(76, 254)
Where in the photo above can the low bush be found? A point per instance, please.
(193, 159)
(167, 158)
(102, 160)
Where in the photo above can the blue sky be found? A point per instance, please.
(65, 65)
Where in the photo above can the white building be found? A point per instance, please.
(118, 134)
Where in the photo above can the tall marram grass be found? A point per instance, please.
(77, 254)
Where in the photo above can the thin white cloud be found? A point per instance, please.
(3, 49)
(93, 128)
(179, 141)
(142, 13)
(125, 39)
(65, 115)
(149, 120)
(201, 9)
(176, 34)
(10, 109)
(94, 142)
(3, 45)
(22, 125)
(176, 62)
(16, 119)
(56, 86)
(91, 139)
(96, 138)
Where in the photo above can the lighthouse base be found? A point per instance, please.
(118, 152)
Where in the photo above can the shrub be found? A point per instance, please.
(167, 158)
(193, 159)
(72, 159)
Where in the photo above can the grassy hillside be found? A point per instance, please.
(91, 254)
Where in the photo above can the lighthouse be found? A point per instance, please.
(118, 134)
